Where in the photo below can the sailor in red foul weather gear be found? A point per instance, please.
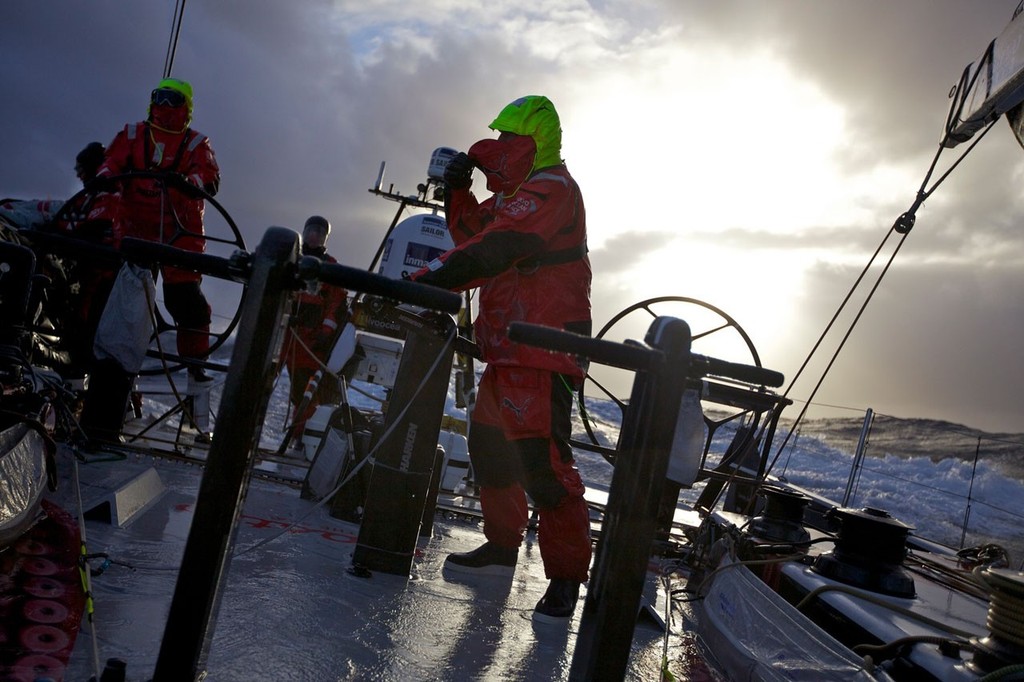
(168, 209)
(319, 314)
(525, 248)
(164, 204)
(90, 217)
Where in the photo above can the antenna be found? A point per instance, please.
(419, 200)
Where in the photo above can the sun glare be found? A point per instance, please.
(691, 144)
(705, 142)
(752, 287)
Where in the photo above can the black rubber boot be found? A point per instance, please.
(105, 401)
(559, 602)
(487, 559)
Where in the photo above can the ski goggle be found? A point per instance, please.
(167, 97)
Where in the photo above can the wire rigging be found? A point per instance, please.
(902, 225)
(172, 43)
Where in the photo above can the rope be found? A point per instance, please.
(292, 351)
(880, 601)
(369, 456)
(83, 569)
(666, 674)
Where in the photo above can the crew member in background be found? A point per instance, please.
(525, 247)
(167, 208)
(63, 336)
(90, 218)
(88, 161)
(317, 318)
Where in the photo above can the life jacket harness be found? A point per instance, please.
(141, 159)
(530, 265)
(142, 155)
(559, 257)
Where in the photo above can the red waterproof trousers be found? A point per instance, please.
(518, 444)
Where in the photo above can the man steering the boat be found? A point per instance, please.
(525, 248)
(161, 170)
(165, 204)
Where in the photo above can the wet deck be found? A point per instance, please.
(291, 610)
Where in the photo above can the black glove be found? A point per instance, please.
(458, 174)
(183, 184)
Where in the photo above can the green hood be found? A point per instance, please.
(534, 115)
(184, 87)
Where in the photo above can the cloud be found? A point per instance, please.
(752, 153)
(888, 62)
(623, 251)
(922, 335)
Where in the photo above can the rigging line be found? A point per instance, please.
(835, 315)
(922, 194)
(172, 43)
(956, 163)
(839, 348)
(821, 338)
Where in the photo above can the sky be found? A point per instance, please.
(752, 155)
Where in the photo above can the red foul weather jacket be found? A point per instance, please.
(528, 255)
(317, 315)
(146, 210)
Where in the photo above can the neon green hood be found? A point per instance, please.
(169, 120)
(534, 115)
(184, 87)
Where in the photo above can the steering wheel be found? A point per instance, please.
(221, 237)
(713, 332)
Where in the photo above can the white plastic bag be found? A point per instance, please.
(126, 325)
(688, 440)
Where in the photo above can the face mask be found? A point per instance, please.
(170, 119)
(314, 238)
(506, 163)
